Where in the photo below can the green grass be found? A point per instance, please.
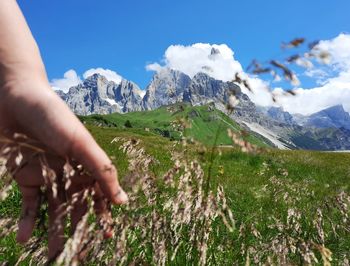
(313, 178)
(202, 123)
(244, 177)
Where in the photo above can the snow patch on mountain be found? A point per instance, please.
(271, 136)
(113, 102)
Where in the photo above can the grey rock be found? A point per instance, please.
(300, 119)
(167, 87)
(277, 114)
(332, 117)
(98, 95)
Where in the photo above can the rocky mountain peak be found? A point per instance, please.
(331, 117)
(336, 112)
(167, 87)
(96, 94)
(168, 74)
(201, 76)
(95, 79)
(329, 128)
(214, 51)
(280, 115)
(128, 95)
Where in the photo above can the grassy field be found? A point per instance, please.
(202, 123)
(283, 202)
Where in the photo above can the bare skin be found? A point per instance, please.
(29, 105)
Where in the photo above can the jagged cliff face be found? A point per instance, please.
(167, 87)
(204, 89)
(128, 95)
(325, 130)
(278, 114)
(98, 95)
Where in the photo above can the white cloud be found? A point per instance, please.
(307, 101)
(154, 67)
(218, 61)
(334, 80)
(260, 91)
(339, 49)
(107, 73)
(215, 60)
(70, 79)
(319, 74)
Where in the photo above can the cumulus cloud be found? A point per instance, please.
(107, 73)
(339, 49)
(215, 60)
(307, 101)
(218, 61)
(334, 80)
(154, 67)
(320, 75)
(70, 79)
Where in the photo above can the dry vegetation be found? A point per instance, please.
(179, 218)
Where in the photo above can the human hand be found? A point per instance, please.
(34, 109)
(28, 105)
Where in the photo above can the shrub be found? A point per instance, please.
(128, 124)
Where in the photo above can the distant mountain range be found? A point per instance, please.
(332, 117)
(328, 129)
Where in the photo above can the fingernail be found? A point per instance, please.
(121, 197)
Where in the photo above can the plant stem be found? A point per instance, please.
(211, 160)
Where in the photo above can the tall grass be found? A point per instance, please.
(170, 220)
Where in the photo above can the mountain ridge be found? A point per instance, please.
(98, 95)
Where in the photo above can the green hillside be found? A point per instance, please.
(204, 123)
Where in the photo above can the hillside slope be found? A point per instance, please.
(203, 123)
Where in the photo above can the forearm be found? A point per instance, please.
(19, 54)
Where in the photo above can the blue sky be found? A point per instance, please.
(126, 35)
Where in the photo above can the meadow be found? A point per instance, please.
(192, 203)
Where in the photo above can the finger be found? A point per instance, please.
(102, 209)
(56, 212)
(30, 206)
(30, 175)
(85, 150)
(25, 168)
(79, 205)
(73, 141)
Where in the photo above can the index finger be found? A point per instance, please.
(86, 150)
